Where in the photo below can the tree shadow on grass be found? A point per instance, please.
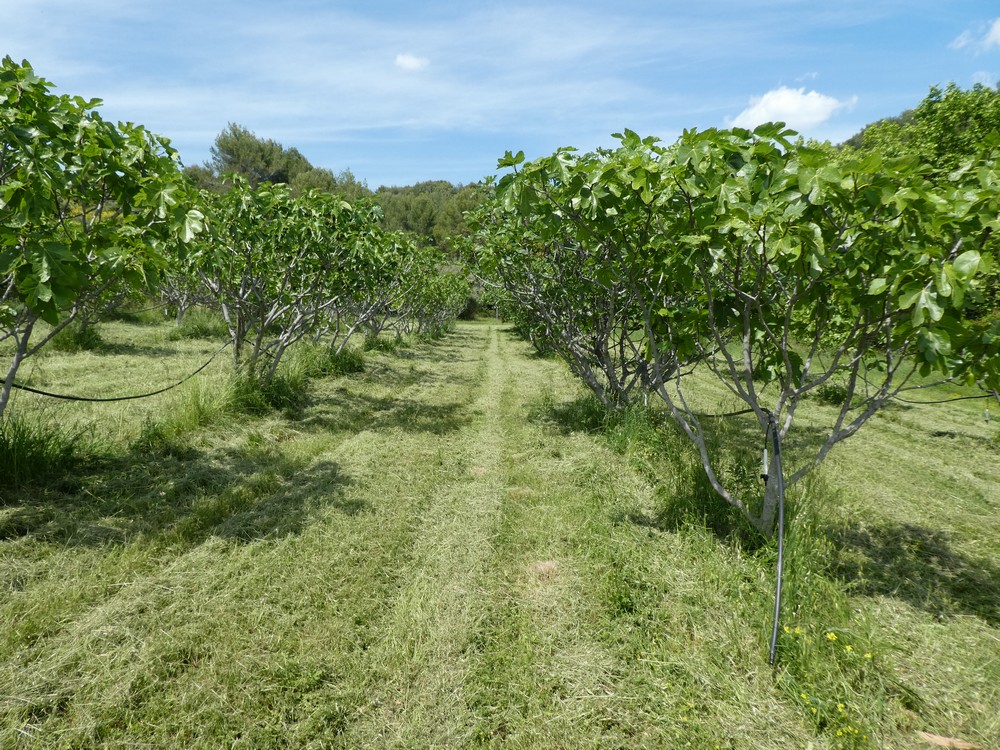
(695, 503)
(347, 407)
(169, 491)
(918, 566)
(354, 412)
(669, 461)
(130, 349)
(583, 414)
(658, 450)
(179, 495)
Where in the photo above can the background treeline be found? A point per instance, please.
(948, 127)
(431, 211)
(949, 124)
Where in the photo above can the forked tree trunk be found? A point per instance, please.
(20, 352)
(8, 382)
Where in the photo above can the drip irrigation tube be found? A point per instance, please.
(780, 479)
(121, 398)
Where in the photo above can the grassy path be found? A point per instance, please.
(438, 554)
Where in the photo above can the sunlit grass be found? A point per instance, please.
(450, 545)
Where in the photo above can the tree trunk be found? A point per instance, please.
(15, 363)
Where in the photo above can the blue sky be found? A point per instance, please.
(406, 91)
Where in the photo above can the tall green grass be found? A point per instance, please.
(200, 323)
(36, 449)
(78, 337)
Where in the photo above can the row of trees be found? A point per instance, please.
(282, 267)
(86, 208)
(782, 269)
(91, 212)
(432, 212)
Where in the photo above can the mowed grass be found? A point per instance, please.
(454, 548)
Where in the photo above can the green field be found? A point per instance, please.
(454, 549)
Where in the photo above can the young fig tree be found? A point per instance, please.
(277, 264)
(553, 241)
(784, 271)
(771, 266)
(85, 206)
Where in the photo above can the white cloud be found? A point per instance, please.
(339, 83)
(798, 109)
(962, 40)
(985, 77)
(983, 38)
(411, 63)
(992, 38)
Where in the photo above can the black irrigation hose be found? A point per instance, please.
(780, 479)
(122, 398)
(722, 416)
(945, 400)
(773, 434)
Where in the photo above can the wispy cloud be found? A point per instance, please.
(984, 37)
(389, 86)
(984, 77)
(411, 63)
(963, 40)
(992, 38)
(797, 108)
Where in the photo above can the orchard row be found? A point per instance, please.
(782, 269)
(93, 213)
